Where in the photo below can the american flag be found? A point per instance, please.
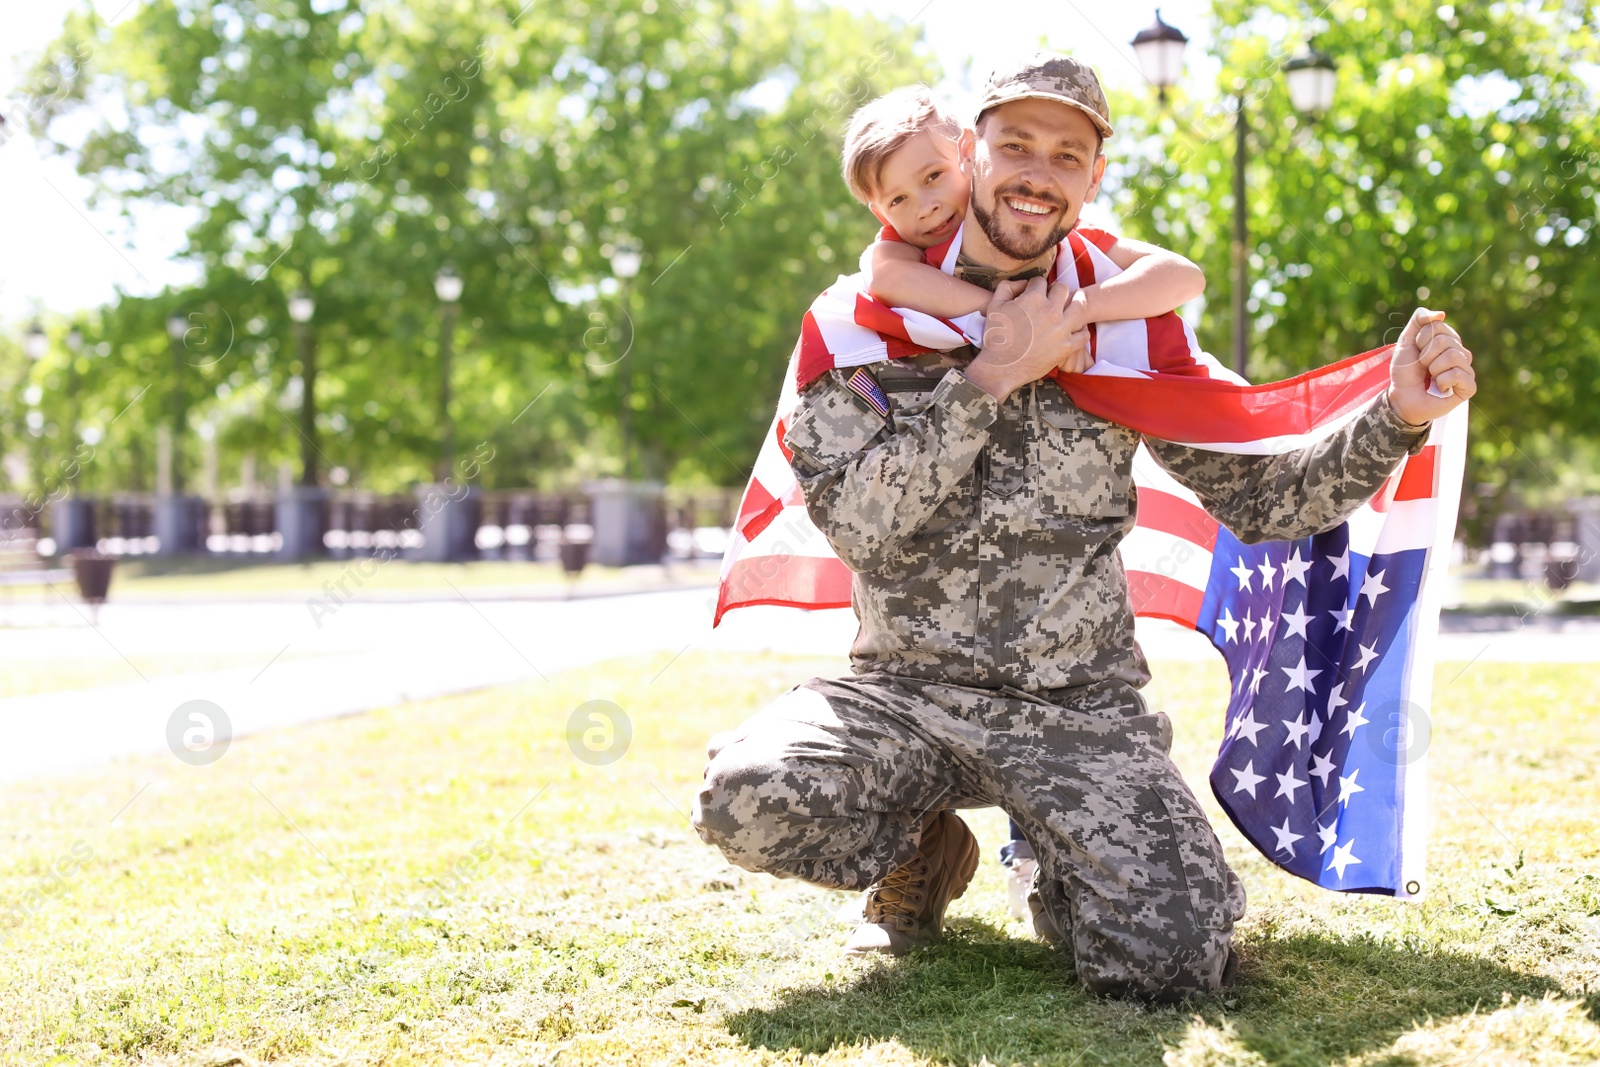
(1328, 640)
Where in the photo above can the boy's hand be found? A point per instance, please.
(1081, 359)
(1028, 335)
(1429, 351)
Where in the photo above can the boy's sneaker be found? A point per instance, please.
(906, 908)
(1019, 876)
(1016, 858)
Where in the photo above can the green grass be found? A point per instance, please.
(156, 578)
(445, 883)
(31, 677)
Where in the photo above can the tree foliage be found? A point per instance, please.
(1458, 169)
(351, 150)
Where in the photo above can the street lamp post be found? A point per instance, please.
(447, 286)
(72, 523)
(178, 517)
(449, 512)
(625, 263)
(177, 327)
(1311, 80)
(626, 515)
(35, 343)
(1160, 51)
(301, 308)
(75, 415)
(300, 511)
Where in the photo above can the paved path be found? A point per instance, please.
(366, 654)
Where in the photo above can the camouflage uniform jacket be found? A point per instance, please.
(983, 534)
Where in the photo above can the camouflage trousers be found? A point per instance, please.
(832, 781)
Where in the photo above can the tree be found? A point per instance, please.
(353, 151)
(1458, 169)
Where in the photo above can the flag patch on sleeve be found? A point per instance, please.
(866, 387)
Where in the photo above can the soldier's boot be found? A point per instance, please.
(906, 908)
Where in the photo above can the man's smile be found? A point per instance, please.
(1030, 209)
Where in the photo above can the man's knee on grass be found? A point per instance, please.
(1200, 962)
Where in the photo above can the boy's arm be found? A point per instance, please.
(1153, 282)
(898, 277)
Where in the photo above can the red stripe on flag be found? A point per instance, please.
(1169, 514)
(1080, 260)
(815, 359)
(787, 581)
(1420, 475)
(1209, 410)
(757, 499)
(1156, 596)
(880, 317)
(780, 430)
(1169, 346)
(934, 256)
(1099, 238)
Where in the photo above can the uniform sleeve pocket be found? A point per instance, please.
(830, 428)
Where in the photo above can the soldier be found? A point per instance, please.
(996, 662)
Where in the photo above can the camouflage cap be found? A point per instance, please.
(1049, 76)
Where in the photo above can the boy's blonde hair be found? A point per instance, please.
(879, 128)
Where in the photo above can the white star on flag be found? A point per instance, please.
(1341, 618)
(1341, 565)
(1316, 727)
(1368, 654)
(1286, 837)
(1249, 625)
(1244, 575)
(1287, 784)
(1298, 728)
(1336, 698)
(1343, 856)
(1297, 620)
(1248, 779)
(1299, 677)
(1321, 767)
(1256, 676)
(1327, 835)
(1347, 787)
(1294, 569)
(1372, 587)
(1354, 719)
(1229, 623)
(1247, 724)
(1268, 572)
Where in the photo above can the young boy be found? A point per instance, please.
(902, 159)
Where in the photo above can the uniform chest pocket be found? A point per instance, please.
(1083, 463)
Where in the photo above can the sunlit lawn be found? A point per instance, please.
(445, 883)
(210, 576)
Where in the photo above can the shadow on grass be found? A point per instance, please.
(1306, 999)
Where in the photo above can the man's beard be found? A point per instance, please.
(1004, 242)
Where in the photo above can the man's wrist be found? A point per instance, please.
(1401, 417)
(991, 379)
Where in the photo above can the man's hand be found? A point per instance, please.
(1429, 352)
(1028, 334)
